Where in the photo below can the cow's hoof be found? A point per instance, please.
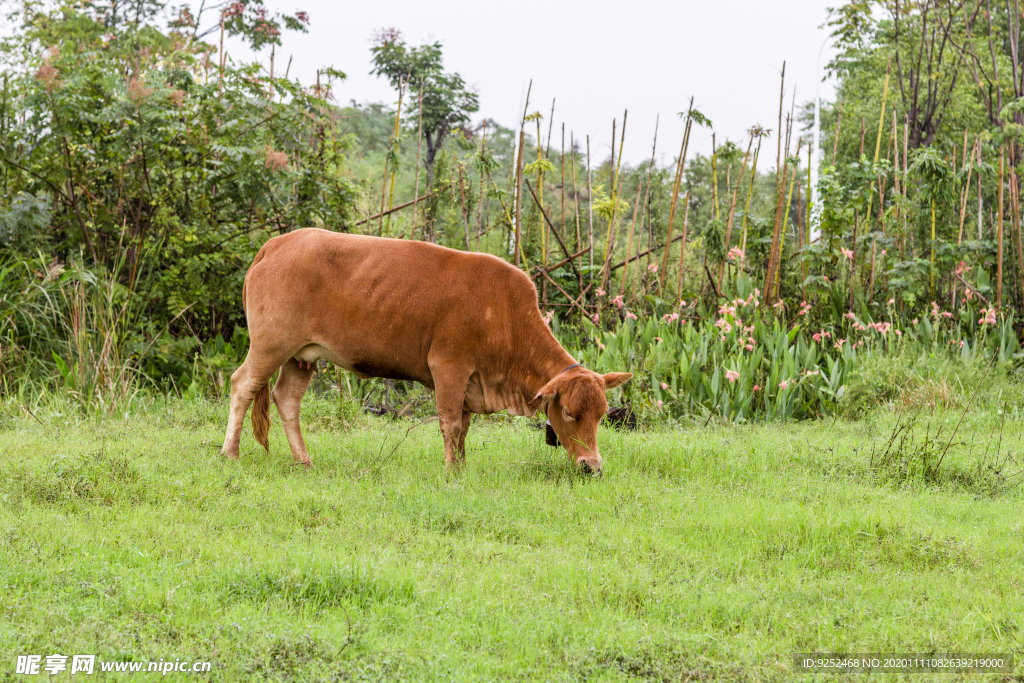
(233, 457)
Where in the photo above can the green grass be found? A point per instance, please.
(700, 554)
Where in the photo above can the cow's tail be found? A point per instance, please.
(261, 416)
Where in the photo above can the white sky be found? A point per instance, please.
(595, 58)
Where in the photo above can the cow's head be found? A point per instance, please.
(574, 402)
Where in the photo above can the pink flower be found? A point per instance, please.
(548, 316)
(630, 315)
(989, 317)
(600, 292)
(657, 339)
(892, 301)
(848, 253)
(749, 347)
(664, 386)
(756, 388)
(724, 324)
(732, 376)
(653, 267)
(735, 254)
(595, 318)
(899, 333)
(882, 328)
(850, 316)
(884, 252)
(961, 343)
(661, 403)
(619, 303)
(784, 384)
(816, 336)
(671, 317)
(947, 314)
(682, 304)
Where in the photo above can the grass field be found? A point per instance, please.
(702, 553)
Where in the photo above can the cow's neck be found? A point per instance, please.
(543, 363)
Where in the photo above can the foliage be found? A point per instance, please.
(128, 154)
(445, 102)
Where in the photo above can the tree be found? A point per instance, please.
(446, 101)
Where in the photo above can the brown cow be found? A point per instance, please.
(465, 325)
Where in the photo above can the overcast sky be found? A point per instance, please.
(595, 58)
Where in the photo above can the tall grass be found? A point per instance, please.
(71, 331)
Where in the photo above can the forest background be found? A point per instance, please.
(143, 167)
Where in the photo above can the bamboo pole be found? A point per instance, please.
(615, 206)
(878, 137)
(387, 155)
(561, 191)
(963, 213)
(750, 192)
(1015, 215)
(419, 145)
(465, 211)
(519, 196)
(981, 209)
(675, 196)
(551, 123)
(395, 209)
(682, 245)
(590, 213)
(576, 206)
(540, 204)
(835, 139)
(714, 178)
(732, 206)
(780, 182)
(483, 151)
(785, 221)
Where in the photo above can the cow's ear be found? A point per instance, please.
(546, 393)
(615, 379)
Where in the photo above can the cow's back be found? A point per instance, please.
(383, 305)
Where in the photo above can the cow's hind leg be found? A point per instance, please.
(289, 389)
(246, 381)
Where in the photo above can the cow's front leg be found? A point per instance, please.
(450, 387)
(461, 450)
